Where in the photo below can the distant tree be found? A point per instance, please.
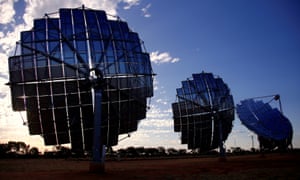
(161, 151)
(3, 150)
(12, 145)
(21, 147)
(63, 152)
(34, 152)
(131, 152)
(172, 152)
(109, 150)
(121, 153)
(140, 151)
(150, 152)
(182, 151)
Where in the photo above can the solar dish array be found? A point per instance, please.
(204, 106)
(50, 79)
(268, 123)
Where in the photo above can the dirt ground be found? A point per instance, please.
(271, 166)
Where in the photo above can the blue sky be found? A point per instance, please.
(253, 45)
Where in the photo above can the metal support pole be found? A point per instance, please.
(252, 140)
(221, 144)
(280, 106)
(97, 163)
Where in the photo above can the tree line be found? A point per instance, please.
(18, 149)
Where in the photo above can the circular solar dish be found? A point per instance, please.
(204, 112)
(271, 126)
(73, 63)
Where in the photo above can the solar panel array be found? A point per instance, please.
(204, 105)
(50, 78)
(267, 122)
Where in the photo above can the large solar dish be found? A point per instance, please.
(204, 112)
(63, 62)
(274, 130)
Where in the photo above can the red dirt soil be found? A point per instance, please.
(271, 166)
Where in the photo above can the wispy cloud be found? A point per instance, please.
(130, 3)
(7, 11)
(155, 84)
(162, 57)
(162, 101)
(37, 8)
(145, 11)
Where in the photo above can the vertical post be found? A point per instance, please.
(280, 106)
(277, 97)
(97, 163)
(252, 142)
(221, 144)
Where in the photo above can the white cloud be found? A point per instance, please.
(7, 11)
(4, 65)
(145, 11)
(9, 39)
(156, 124)
(155, 83)
(162, 101)
(152, 138)
(159, 111)
(37, 8)
(164, 57)
(131, 3)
